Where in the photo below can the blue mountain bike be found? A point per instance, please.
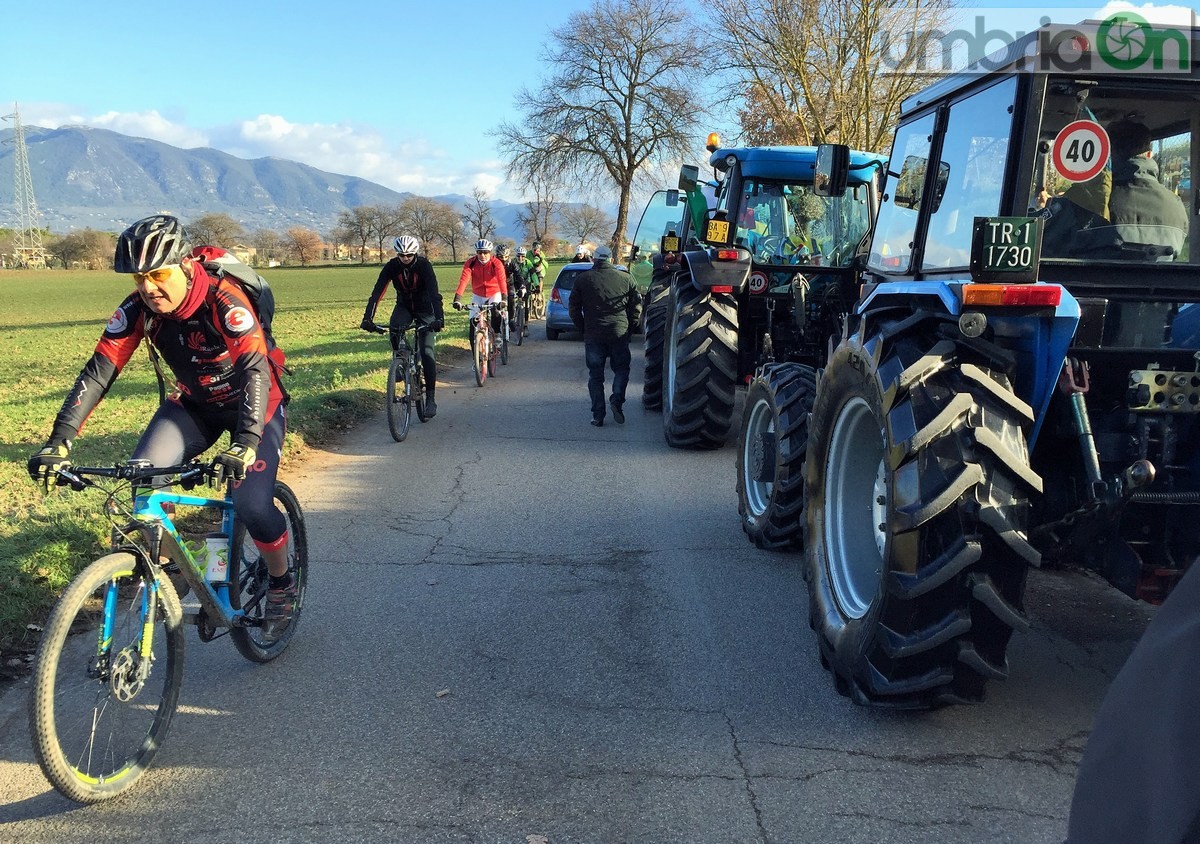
(110, 663)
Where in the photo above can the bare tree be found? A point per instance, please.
(217, 229)
(88, 248)
(614, 103)
(359, 225)
(453, 234)
(427, 219)
(389, 222)
(538, 216)
(268, 246)
(304, 243)
(818, 71)
(479, 215)
(582, 222)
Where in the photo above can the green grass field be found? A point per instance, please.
(49, 324)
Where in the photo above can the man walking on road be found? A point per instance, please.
(606, 306)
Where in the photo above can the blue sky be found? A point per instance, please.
(403, 94)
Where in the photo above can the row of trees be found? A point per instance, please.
(92, 249)
(626, 87)
(443, 229)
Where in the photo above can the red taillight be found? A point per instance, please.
(1016, 295)
(727, 254)
(720, 288)
(554, 297)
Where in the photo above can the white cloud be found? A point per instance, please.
(414, 165)
(1153, 13)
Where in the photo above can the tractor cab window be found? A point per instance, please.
(786, 224)
(1113, 174)
(970, 177)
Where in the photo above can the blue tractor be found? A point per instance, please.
(747, 268)
(1016, 384)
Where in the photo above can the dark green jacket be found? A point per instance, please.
(604, 303)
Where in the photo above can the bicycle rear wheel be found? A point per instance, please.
(103, 698)
(248, 579)
(399, 389)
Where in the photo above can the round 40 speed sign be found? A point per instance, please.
(1081, 150)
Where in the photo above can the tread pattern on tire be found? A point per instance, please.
(703, 331)
(953, 585)
(789, 390)
(242, 636)
(657, 301)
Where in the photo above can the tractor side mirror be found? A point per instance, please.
(832, 170)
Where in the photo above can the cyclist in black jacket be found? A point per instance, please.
(417, 297)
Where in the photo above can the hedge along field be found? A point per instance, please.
(50, 321)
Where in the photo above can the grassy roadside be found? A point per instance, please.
(49, 324)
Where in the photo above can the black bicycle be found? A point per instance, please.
(406, 380)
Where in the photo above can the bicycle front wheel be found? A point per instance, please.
(480, 357)
(399, 390)
(491, 355)
(519, 322)
(503, 340)
(248, 580)
(419, 389)
(106, 679)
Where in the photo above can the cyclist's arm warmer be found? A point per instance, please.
(429, 281)
(465, 278)
(381, 284)
(118, 343)
(235, 318)
(502, 277)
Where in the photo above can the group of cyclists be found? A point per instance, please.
(209, 332)
(495, 276)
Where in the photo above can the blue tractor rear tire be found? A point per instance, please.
(918, 485)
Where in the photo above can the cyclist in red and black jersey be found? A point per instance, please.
(206, 330)
(417, 297)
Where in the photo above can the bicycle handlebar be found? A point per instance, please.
(379, 329)
(134, 471)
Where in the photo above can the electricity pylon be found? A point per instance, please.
(29, 249)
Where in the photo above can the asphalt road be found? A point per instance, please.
(616, 663)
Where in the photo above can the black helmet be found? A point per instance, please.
(151, 243)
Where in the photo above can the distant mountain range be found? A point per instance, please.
(84, 177)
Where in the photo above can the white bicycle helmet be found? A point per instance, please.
(406, 244)
(484, 245)
(521, 252)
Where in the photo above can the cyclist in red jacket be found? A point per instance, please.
(206, 330)
(489, 284)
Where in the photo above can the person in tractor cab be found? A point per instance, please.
(206, 329)
(1143, 212)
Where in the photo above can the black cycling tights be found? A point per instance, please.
(176, 434)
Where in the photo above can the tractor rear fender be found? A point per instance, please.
(709, 271)
(1037, 337)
